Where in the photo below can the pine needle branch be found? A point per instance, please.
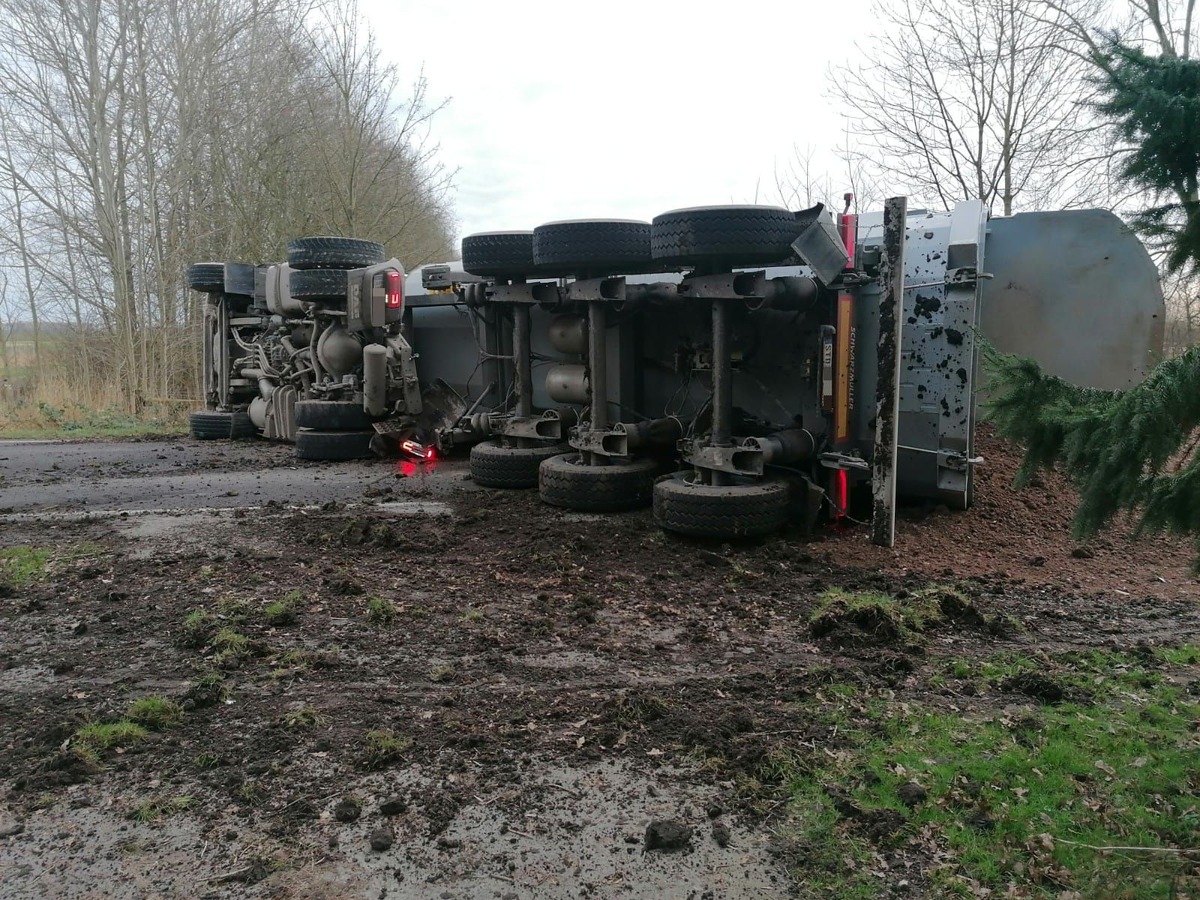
(1115, 446)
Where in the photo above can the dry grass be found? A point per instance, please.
(77, 393)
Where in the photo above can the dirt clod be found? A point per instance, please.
(10, 827)
(869, 625)
(393, 806)
(720, 833)
(666, 835)
(981, 821)
(382, 839)
(1037, 687)
(911, 794)
(347, 810)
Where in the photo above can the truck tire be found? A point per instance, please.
(317, 284)
(569, 482)
(747, 510)
(592, 247)
(494, 465)
(723, 236)
(499, 254)
(333, 253)
(207, 277)
(332, 415)
(211, 425)
(312, 443)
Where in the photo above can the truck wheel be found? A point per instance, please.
(211, 425)
(750, 509)
(208, 277)
(317, 284)
(333, 445)
(569, 482)
(497, 466)
(500, 254)
(333, 253)
(592, 246)
(727, 236)
(331, 415)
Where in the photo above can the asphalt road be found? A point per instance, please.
(184, 474)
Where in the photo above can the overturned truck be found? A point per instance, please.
(738, 367)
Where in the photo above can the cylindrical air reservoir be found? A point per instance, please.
(568, 334)
(568, 384)
(375, 380)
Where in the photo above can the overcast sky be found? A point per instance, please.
(562, 110)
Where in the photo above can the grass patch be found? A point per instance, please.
(157, 808)
(231, 646)
(33, 420)
(299, 660)
(20, 566)
(99, 736)
(1184, 655)
(384, 746)
(234, 611)
(207, 761)
(1012, 798)
(282, 612)
(308, 717)
(380, 611)
(197, 628)
(208, 690)
(916, 611)
(250, 793)
(155, 712)
(473, 615)
(441, 674)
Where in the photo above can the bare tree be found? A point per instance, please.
(801, 182)
(142, 135)
(973, 99)
(379, 171)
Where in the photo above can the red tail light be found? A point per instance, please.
(395, 289)
(843, 493)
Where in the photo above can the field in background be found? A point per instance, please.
(77, 394)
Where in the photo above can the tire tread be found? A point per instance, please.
(564, 482)
(327, 252)
(737, 511)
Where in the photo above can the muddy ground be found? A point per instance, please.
(534, 689)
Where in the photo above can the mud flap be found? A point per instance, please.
(887, 381)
